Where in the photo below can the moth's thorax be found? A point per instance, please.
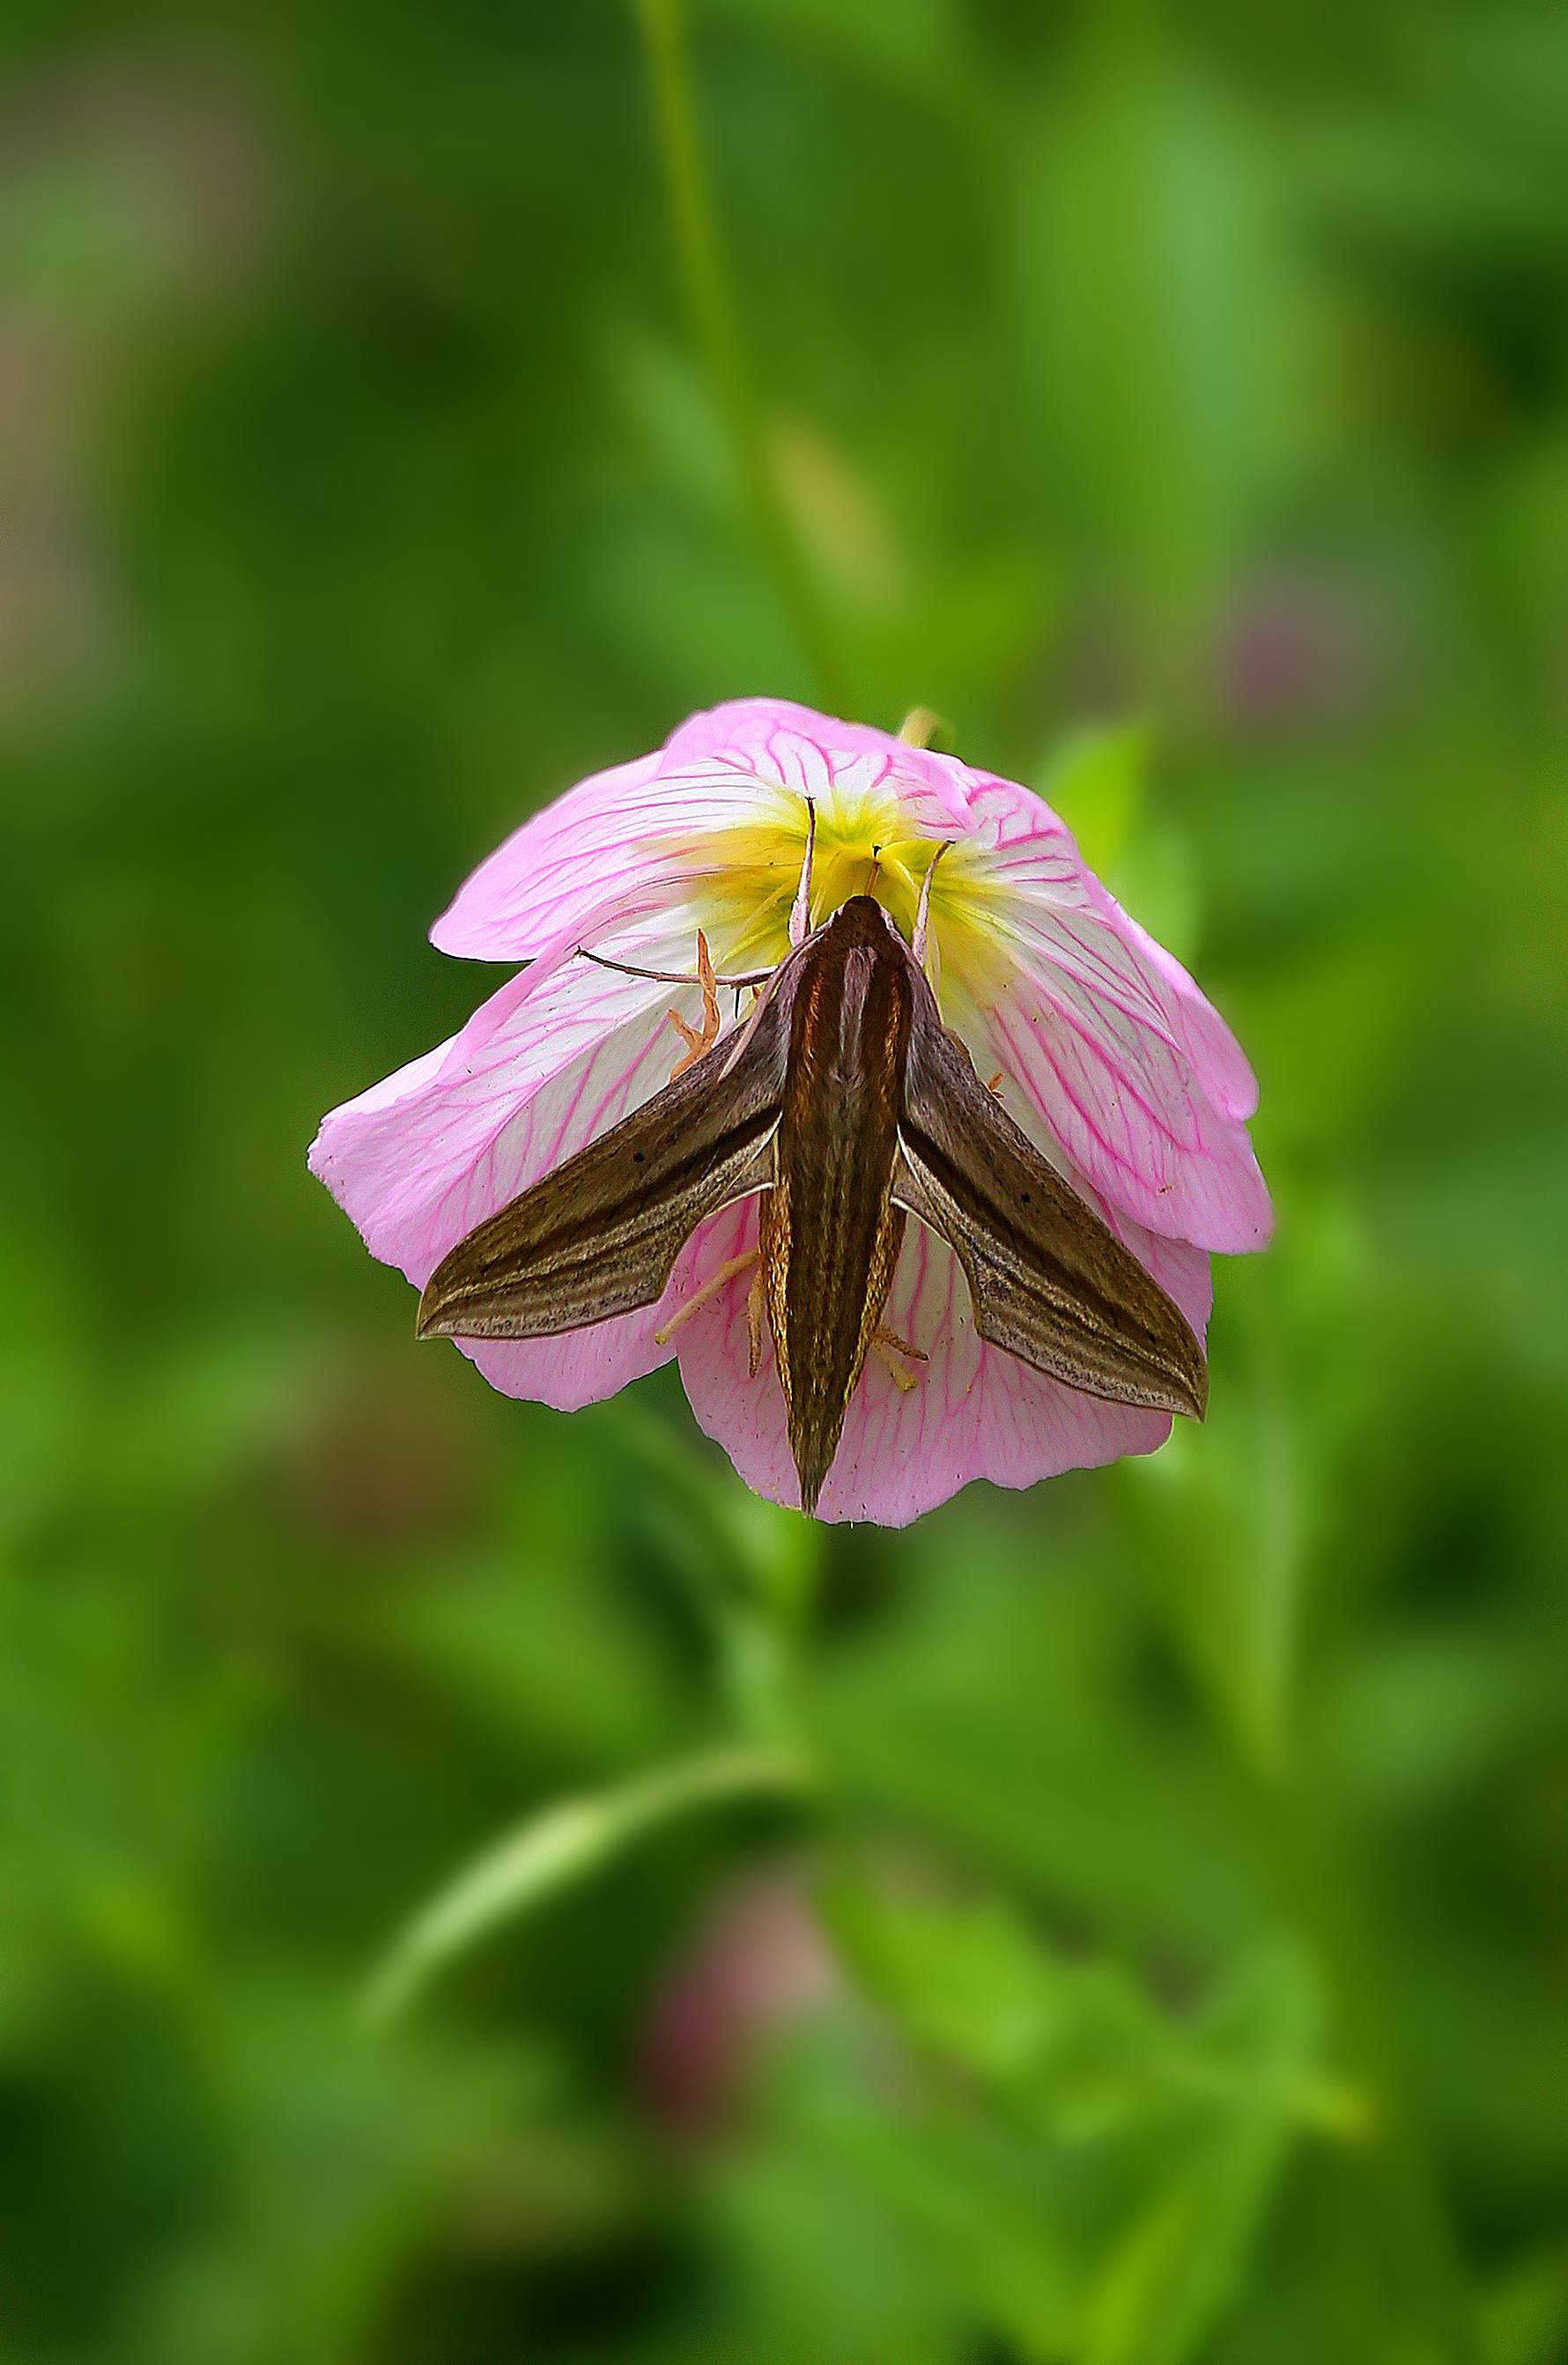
(852, 1014)
(829, 1235)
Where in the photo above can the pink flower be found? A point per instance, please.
(1102, 1048)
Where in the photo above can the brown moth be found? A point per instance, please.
(848, 1106)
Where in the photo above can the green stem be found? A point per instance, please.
(559, 1848)
(707, 290)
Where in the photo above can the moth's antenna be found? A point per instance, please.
(673, 976)
(801, 911)
(923, 910)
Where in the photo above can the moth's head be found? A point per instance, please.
(862, 921)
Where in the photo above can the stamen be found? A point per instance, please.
(923, 727)
(923, 910)
(800, 910)
(696, 1044)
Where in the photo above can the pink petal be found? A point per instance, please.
(635, 837)
(974, 1411)
(579, 1368)
(551, 1061)
(1136, 1075)
(652, 830)
(1035, 853)
(838, 763)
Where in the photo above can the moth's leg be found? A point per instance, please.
(696, 1043)
(994, 1084)
(923, 910)
(773, 1241)
(885, 1338)
(755, 1308)
(884, 1346)
(710, 1288)
(800, 910)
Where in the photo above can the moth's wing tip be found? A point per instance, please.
(432, 1321)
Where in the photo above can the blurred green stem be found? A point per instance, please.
(556, 1850)
(752, 1579)
(758, 1673)
(708, 292)
(1321, 1900)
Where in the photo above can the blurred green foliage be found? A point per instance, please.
(1170, 1961)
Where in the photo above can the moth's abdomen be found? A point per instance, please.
(830, 1236)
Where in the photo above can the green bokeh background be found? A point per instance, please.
(1170, 1962)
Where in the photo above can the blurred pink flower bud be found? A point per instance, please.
(760, 1963)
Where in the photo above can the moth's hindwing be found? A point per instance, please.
(1049, 1280)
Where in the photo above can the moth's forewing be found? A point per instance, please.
(600, 1234)
(830, 1234)
(1050, 1283)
